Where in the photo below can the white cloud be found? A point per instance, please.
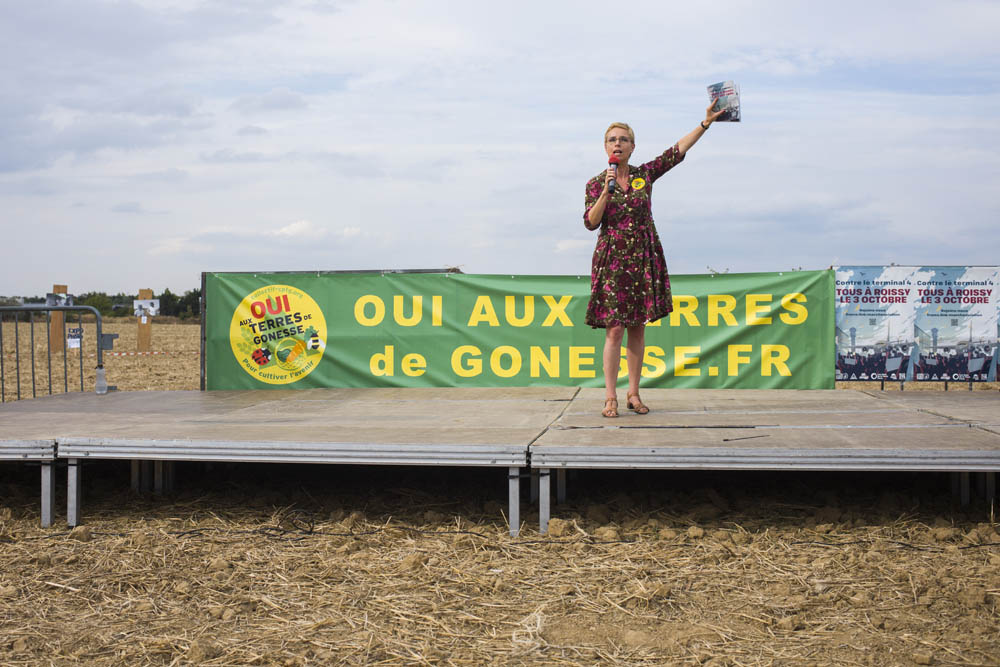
(301, 229)
(179, 246)
(434, 134)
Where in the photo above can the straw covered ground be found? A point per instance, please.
(310, 565)
(293, 565)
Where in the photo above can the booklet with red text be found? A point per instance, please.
(727, 94)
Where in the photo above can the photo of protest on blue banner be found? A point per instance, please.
(956, 324)
(875, 318)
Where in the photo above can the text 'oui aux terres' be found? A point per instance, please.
(578, 361)
(370, 310)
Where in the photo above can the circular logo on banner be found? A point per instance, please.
(278, 334)
(638, 183)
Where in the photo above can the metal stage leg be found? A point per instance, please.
(963, 478)
(991, 487)
(136, 475)
(48, 493)
(534, 484)
(163, 477)
(146, 476)
(514, 499)
(561, 485)
(544, 500)
(73, 492)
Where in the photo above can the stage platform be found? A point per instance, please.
(547, 429)
(718, 429)
(433, 427)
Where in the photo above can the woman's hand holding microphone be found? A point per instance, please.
(611, 176)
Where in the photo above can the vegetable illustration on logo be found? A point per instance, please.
(278, 334)
(288, 351)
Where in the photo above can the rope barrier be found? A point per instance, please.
(11, 355)
(134, 354)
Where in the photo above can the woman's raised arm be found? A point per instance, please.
(692, 137)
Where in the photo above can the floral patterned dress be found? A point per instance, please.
(629, 283)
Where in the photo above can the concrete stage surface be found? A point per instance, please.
(544, 428)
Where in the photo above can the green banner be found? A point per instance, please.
(306, 330)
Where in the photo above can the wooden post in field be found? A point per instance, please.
(144, 340)
(57, 337)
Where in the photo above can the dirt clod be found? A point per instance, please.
(607, 534)
(219, 564)
(81, 534)
(973, 597)
(598, 514)
(741, 538)
(413, 562)
(945, 533)
(202, 650)
(560, 528)
(661, 592)
(790, 623)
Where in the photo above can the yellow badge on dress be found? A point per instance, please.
(638, 183)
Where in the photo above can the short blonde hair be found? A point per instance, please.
(624, 126)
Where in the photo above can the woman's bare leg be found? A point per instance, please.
(612, 359)
(634, 356)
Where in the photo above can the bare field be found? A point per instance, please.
(295, 565)
(174, 367)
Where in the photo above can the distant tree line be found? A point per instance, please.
(184, 306)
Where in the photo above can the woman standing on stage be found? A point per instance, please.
(629, 283)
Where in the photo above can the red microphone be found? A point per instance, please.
(613, 164)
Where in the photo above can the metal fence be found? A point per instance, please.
(28, 314)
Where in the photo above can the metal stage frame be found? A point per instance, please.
(40, 451)
(546, 429)
(821, 430)
(374, 426)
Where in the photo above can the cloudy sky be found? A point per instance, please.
(142, 141)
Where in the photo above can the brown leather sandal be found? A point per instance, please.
(610, 407)
(637, 406)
